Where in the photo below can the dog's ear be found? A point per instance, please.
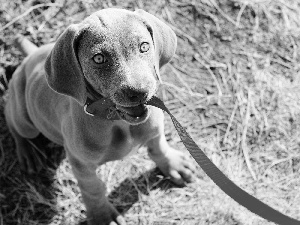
(63, 71)
(163, 36)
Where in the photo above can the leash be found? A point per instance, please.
(230, 188)
(105, 109)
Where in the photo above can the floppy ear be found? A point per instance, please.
(163, 36)
(63, 71)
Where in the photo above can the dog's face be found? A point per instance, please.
(119, 53)
(116, 56)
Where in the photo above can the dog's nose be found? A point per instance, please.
(135, 95)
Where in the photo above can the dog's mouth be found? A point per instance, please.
(133, 115)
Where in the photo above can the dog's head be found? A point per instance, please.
(119, 53)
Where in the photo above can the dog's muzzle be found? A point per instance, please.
(134, 115)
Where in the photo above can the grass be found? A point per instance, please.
(234, 84)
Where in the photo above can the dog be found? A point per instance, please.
(114, 55)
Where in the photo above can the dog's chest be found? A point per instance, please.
(131, 136)
(127, 139)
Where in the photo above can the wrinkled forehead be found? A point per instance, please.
(115, 25)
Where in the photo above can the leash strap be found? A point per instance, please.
(230, 188)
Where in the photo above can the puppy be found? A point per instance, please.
(112, 56)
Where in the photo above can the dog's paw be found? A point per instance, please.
(118, 221)
(108, 215)
(176, 165)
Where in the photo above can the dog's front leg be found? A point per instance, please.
(99, 210)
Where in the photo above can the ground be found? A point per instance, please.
(233, 83)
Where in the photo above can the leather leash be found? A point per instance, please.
(105, 109)
(230, 188)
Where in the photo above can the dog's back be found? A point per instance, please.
(29, 92)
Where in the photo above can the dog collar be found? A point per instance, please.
(99, 106)
(103, 108)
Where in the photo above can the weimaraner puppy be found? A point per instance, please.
(114, 54)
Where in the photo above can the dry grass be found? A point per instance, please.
(234, 84)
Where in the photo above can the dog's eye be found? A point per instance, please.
(144, 47)
(99, 58)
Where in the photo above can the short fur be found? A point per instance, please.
(48, 91)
